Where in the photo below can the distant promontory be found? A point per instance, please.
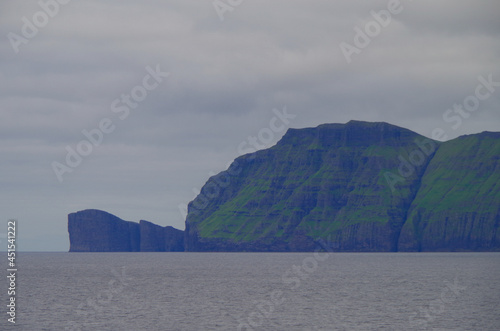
(94, 230)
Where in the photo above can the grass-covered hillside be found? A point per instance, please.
(358, 186)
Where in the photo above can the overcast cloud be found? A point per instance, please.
(225, 78)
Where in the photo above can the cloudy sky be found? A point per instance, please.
(168, 91)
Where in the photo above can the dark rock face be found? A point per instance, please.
(359, 186)
(152, 237)
(155, 238)
(173, 239)
(98, 231)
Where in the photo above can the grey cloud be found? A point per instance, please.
(225, 79)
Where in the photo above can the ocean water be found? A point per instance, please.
(255, 291)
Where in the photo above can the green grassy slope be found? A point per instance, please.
(326, 182)
(458, 204)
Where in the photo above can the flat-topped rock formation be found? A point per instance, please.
(94, 230)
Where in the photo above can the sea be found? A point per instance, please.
(253, 291)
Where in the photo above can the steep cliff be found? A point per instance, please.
(174, 239)
(152, 237)
(358, 186)
(97, 231)
(94, 230)
(155, 238)
(458, 205)
(324, 183)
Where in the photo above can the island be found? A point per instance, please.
(354, 187)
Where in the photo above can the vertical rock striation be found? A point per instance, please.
(155, 238)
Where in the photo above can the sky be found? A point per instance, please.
(130, 106)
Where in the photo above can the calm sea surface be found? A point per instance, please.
(255, 291)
